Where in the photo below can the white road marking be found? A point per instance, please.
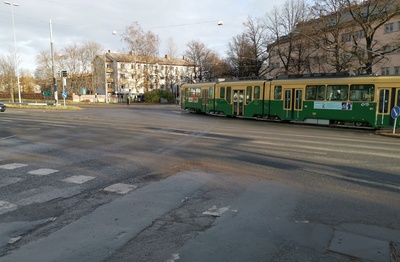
(173, 257)
(43, 172)
(7, 137)
(6, 207)
(215, 212)
(12, 166)
(120, 188)
(78, 179)
(14, 239)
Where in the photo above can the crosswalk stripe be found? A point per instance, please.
(78, 179)
(6, 207)
(120, 188)
(42, 172)
(12, 166)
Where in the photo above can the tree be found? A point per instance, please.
(139, 42)
(371, 16)
(7, 72)
(75, 59)
(325, 33)
(247, 51)
(172, 49)
(199, 54)
(27, 82)
(240, 56)
(43, 72)
(281, 23)
(144, 46)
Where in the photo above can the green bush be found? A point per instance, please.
(155, 96)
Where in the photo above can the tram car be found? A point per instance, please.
(353, 100)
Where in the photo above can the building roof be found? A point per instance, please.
(131, 58)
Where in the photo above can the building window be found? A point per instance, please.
(122, 75)
(385, 71)
(122, 66)
(359, 34)
(346, 38)
(397, 70)
(389, 28)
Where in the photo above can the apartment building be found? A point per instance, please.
(130, 75)
(325, 46)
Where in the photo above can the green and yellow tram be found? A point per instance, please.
(356, 100)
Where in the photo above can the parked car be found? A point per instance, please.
(2, 107)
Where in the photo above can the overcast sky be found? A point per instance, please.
(77, 21)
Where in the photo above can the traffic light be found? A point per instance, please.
(64, 73)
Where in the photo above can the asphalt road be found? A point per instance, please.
(154, 183)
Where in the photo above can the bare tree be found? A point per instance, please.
(8, 73)
(142, 43)
(172, 49)
(27, 82)
(75, 59)
(144, 46)
(214, 67)
(371, 16)
(199, 54)
(88, 51)
(281, 23)
(43, 72)
(247, 51)
(240, 56)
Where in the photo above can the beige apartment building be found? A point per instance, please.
(320, 46)
(122, 75)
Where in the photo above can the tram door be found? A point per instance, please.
(204, 99)
(238, 97)
(293, 103)
(388, 98)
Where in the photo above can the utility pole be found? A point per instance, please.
(52, 66)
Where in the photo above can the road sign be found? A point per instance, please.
(64, 95)
(395, 113)
(47, 93)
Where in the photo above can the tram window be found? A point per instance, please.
(211, 91)
(383, 101)
(192, 92)
(278, 93)
(315, 93)
(187, 92)
(198, 92)
(228, 94)
(299, 99)
(256, 92)
(362, 92)
(337, 93)
(222, 92)
(398, 98)
(288, 98)
(248, 94)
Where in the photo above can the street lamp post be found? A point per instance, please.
(15, 48)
